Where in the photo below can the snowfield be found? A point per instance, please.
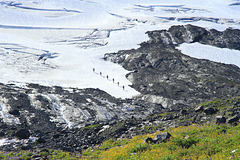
(59, 42)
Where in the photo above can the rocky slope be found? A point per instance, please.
(171, 86)
(50, 113)
(166, 76)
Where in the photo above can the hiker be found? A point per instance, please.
(123, 87)
(93, 69)
(100, 73)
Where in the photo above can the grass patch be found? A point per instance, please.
(91, 126)
(227, 105)
(51, 155)
(195, 142)
(191, 142)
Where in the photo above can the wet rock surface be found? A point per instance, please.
(172, 86)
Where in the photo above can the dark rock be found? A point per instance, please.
(14, 112)
(209, 111)
(234, 119)
(220, 120)
(23, 134)
(26, 147)
(162, 137)
(41, 140)
(2, 133)
(67, 149)
(224, 131)
(183, 111)
(148, 140)
(56, 135)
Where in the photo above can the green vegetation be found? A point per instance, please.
(195, 142)
(49, 154)
(91, 126)
(113, 143)
(208, 141)
(227, 106)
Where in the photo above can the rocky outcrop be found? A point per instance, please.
(163, 75)
(23, 134)
(220, 120)
(230, 38)
(53, 116)
(162, 137)
(234, 119)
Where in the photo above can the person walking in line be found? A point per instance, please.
(107, 76)
(113, 80)
(118, 83)
(100, 73)
(93, 69)
(123, 87)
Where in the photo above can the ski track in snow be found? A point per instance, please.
(54, 42)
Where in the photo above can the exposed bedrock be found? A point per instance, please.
(166, 76)
(54, 115)
(229, 38)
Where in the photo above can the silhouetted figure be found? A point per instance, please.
(93, 69)
(123, 87)
(113, 80)
(100, 73)
(107, 76)
(118, 83)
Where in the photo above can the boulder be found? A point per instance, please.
(14, 112)
(56, 135)
(26, 147)
(199, 108)
(162, 137)
(23, 134)
(233, 119)
(209, 110)
(183, 111)
(2, 133)
(41, 140)
(220, 120)
(148, 140)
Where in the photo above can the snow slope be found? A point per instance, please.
(59, 42)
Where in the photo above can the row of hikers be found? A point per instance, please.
(100, 73)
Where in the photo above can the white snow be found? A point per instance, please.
(76, 35)
(7, 141)
(8, 118)
(222, 55)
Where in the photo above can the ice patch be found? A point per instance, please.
(222, 55)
